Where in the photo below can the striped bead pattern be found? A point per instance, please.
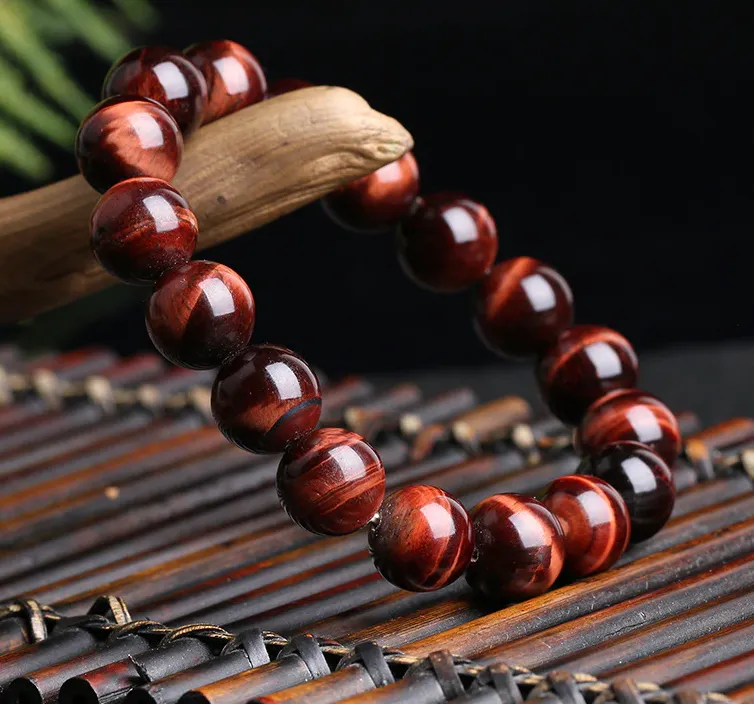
(266, 398)
(585, 363)
(331, 482)
(422, 540)
(629, 415)
(141, 228)
(200, 314)
(594, 519)
(520, 547)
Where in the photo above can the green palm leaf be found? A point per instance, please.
(30, 30)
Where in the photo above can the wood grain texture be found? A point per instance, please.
(247, 169)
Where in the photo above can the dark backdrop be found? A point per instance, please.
(610, 139)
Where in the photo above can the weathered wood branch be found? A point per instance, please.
(238, 174)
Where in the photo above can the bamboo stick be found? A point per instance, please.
(553, 647)
(42, 686)
(742, 695)
(230, 691)
(730, 641)
(571, 601)
(162, 510)
(729, 674)
(647, 642)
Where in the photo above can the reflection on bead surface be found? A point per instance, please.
(376, 201)
(585, 363)
(200, 314)
(520, 547)
(448, 243)
(331, 482)
(124, 138)
(643, 480)
(233, 75)
(141, 228)
(423, 539)
(164, 75)
(629, 415)
(287, 85)
(594, 519)
(522, 307)
(266, 398)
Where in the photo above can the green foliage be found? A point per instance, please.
(38, 96)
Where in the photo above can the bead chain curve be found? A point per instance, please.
(267, 399)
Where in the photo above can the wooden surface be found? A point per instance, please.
(238, 173)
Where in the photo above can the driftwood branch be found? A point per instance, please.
(238, 174)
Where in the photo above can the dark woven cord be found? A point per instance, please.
(457, 677)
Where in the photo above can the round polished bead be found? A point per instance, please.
(141, 228)
(448, 243)
(522, 307)
(200, 314)
(287, 85)
(233, 75)
(644, 481)
(331, 482)
(376, 201)
(125, 138)
(519, 547)
(422, 539)
(167, 77)
(266, 398)
(595, 522)
(629, 415)
(585, 363)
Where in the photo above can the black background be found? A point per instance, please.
(611, 139)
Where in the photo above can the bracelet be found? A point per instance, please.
(266, 398)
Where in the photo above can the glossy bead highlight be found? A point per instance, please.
(142, 227)
(126, 138)
(629, 415)
(200, 315)
(331, 482)
(448, 243)
(520, 547)
(233, 75)
(266, 398)
(167, 77)
(522, 307)
(643, 480)
(422, 540)
(377, 201)
(595, 521)
(585, 363)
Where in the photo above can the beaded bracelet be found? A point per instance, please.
(266, 399)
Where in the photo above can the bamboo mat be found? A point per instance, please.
(144, 559)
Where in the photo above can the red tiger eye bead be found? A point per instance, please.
(233, 75)
(125, 138)
(167, 77)
(522, 307)
(594, 519)
(141, 228)
(520, 547)
(629, 415)
(287, 85)
(422, 540)
(200, 314)
(448, 243)
(266, 398)
(644, 481)
(585, 363)
(331, 482)
(376, 201)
